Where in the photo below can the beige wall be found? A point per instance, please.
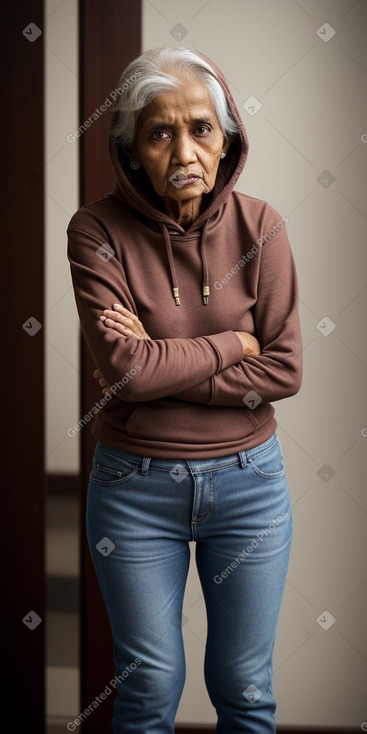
(313, 116)
(61, 201)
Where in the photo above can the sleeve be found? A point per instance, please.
(277, 372)
(166, 366)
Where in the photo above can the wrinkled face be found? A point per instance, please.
(179, 142)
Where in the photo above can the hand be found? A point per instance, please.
(124, 322)
(98, 376)
(251, 346)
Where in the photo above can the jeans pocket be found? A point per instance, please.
(269, 464)
(109, 476)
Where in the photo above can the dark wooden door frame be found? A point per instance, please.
(109, 36)
(22, 362)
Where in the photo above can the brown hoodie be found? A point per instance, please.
(188, 392)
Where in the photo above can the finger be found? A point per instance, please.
(135, 326)
(107, 313)
(111, 316)
(121, 328)
(97, 374)
(125, 312)
(132, 323)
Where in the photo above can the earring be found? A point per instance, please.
(135, 165)
(223, 154)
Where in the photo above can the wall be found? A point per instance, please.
(308, 148)
(61, 201)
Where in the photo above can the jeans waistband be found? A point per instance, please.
(196, 465)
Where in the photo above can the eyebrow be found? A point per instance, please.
(151, 125)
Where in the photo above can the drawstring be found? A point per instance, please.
(206, 289)
(175, 288)
(176, 292)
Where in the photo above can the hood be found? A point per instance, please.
(133, 188)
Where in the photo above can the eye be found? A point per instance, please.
(203, 129)
(159, 135)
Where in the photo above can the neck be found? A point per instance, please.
(183, 212)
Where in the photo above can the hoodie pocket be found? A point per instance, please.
(259, 416)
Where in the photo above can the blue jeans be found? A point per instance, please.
(141, 515)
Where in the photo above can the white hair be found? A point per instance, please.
(147, 75)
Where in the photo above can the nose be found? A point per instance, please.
(183, 152)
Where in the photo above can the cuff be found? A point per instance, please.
(228, 347)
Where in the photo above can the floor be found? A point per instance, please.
(62, 618)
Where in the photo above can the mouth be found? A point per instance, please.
(180, 179)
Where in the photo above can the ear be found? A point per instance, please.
(226, 145)
(133, 158)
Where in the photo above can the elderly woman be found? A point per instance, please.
(187, 295)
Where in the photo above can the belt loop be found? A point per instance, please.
(243, 459)
(145, 465)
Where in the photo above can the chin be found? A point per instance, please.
(188, 192)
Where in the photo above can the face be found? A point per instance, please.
(179, 142)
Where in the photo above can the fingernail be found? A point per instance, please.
(103, 318)
(117, 305)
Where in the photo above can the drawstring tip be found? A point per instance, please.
(176, 295)
(206, 293)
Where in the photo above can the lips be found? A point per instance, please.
(180, 179)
